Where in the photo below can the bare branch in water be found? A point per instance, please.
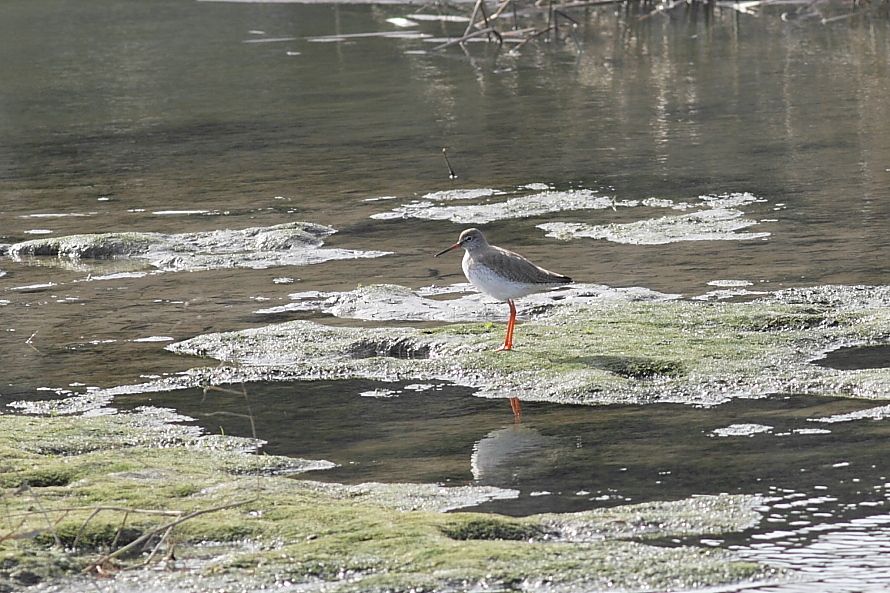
(480, 33)
(528, 39)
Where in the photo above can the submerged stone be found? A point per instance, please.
(92, 246)
(599, 352)
(294, 243)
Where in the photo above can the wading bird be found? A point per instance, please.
(502, 274)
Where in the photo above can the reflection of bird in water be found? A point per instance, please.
(515, 452)
(502, 274)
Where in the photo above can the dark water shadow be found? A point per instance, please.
(857, 358)
(561, 458)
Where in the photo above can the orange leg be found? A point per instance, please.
(516, 406)
(508, 339)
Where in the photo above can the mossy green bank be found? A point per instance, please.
(75, 488)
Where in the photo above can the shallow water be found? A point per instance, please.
(185, 117)
(825, 485)
(857, 357)
(173, 119)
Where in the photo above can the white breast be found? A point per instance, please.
(493, 284)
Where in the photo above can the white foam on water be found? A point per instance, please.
(741, 430)
(269, 40)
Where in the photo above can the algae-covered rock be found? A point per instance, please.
(88, 246)
(293, 243)
(523, 206)
(706, 225)
(599, 352)
(720, 220)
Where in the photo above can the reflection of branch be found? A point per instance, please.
(488, 31)
(575, 5)
(486, 25)
(663, 9)
(12, 534)
(531, 37)
(243, 392)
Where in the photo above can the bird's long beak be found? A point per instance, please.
(455, 246)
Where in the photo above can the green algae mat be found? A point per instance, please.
(121, 495)
(630, 351)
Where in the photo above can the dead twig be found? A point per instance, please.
(42, 511)
(485, 17)
(583, 4)
(30, 342)
(83, 526)
(98, 565)
(158, 546)
(566, 17)
(100, 508)
(570, 5)
(498, 12)
(120, 530)
(451, 174)
(518, 33)
(12, 534)
(840, 17)
(472, 22)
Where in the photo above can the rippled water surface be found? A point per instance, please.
(184, 117)
(189, 116)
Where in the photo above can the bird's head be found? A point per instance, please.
(470, 240)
